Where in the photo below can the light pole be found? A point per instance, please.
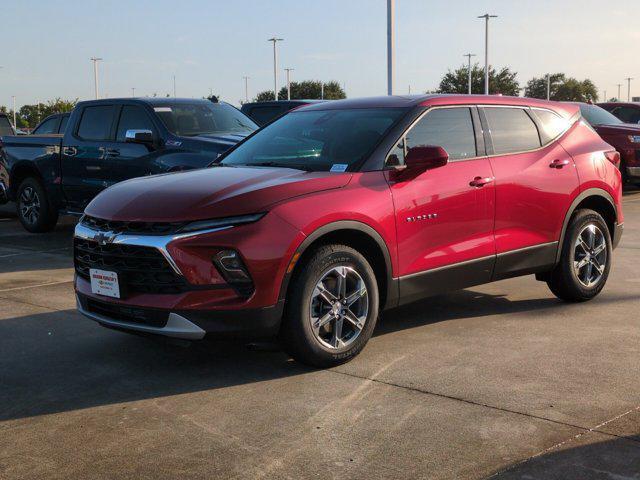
(133, 91)
(246, 88)
(95, 61)
(288, 70)
(390, 45)
(275, 40)
(605, 95)
(548, 86)
(619, 85)
(628, 79)
(321, 90)
(469, 55)
(486, 17)
(13, 100)
(174, 86)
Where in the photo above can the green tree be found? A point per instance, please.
(562, 88)
(457, 81)
(306, 90)
(31, 115)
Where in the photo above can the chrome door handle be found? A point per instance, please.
(112, 152)
(70, 151)
(480, 181)
(559, 163)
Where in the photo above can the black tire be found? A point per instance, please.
(564, 281)
(297, 334)
(34, 208)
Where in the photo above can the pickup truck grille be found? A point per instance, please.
(140, 228)
(139, 269)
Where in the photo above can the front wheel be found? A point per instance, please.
(332, 308)
(585, 260)
(33, 207)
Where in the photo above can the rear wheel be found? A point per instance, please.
(332, 308)
(585, 260)
(33, 207)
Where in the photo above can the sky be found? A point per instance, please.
(210, 45)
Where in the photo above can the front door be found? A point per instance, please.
(444, 216)
(85, 155)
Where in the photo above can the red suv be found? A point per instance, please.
(317, 222)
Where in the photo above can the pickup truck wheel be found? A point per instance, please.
(585, 260)
(332, 307)
(33, 207)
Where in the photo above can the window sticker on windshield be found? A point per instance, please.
(161, 109)
(339, 167)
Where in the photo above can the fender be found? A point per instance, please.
(392, 293)
(591, 192)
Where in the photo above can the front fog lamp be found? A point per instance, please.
(231, 267)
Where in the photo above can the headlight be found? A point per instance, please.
(634, 138)
(221, 222)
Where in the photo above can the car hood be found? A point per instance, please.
(618, 129)
(208, 193)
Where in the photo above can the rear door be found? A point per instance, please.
(444, 216)
(85, 155)
(535, 183)
(129, 160)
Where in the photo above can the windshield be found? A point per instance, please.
(190, 119)
(324, 140)
(598, 116)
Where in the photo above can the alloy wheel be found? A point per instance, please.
(30, 205)
(590, 255)
(339, 307)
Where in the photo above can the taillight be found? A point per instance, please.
(613, 157)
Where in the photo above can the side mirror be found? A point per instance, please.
(426, 157)
(139, 136)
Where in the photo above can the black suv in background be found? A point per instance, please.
(263, 112)
(108, 141)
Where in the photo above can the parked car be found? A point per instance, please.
(5, 125)
(53, 124)
(318, 221)
(624, 137)
(628, 112)
(264, 112)
(107, 141)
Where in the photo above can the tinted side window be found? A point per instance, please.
(552, 124)
(262, 115)
(63, 124)
(5, 126)
(47, 127)
(96, 123)
(132, 118)
(627, 114)
(449, 128)
(512, 130)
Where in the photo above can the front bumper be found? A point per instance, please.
(633, 172)
(185, 324)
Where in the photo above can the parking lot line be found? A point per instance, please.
(35, 286)
(34, 253)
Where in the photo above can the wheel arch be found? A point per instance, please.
(595, 199)
(361, 237)
(19, 172)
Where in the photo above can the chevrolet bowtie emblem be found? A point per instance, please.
(104, 237)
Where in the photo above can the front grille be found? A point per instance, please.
(142, 316)
(140, 228)
(139, 269)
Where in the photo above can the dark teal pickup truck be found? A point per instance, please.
(106, 142)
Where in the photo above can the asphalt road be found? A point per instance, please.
(501, 380)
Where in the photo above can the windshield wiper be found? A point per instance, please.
(306, 168)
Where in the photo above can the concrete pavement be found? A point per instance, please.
(501, 380)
